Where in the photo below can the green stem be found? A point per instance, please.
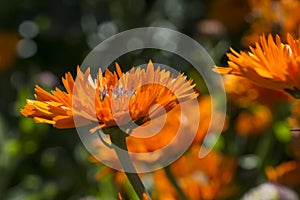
(174, 183)
(263, 151)
(118, 138)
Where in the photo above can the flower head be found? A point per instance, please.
(165, 131)
(242, 92)
(287, 173)
(253, 121)
(112, 99)
(270, 64)
(197, 178)
(271, 16)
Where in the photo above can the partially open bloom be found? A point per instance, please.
(270, 64)
(112, 99)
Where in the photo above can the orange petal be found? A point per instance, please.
(222, 70)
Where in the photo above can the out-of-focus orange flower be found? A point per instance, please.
(269, 16)
(286, 173)
(254, 121)
(269, 64)
(206, 178)
(216, 176)
(243, 93)
(163, 131)
(8, 45)
(170, 128)
(201, 179)
(292, 21)
(133, 92)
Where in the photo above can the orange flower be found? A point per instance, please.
(269, 64)
(210, 177)
(269, 16)
(286, 173)
(106, 100)
(242, 92)
(55, 108)
(163, 135)
(163, 131)
(207, 178)
(253, 122)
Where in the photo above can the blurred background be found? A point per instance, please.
(41, 40)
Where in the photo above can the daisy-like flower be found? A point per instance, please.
(112, 99)
(197, 178)
(271, 64)
(269, 16)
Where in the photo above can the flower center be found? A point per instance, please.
(120, 91)
(117, 92)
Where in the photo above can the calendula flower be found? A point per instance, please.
(107, 100)
(271, 64)
(198, 179)
(269, 16)
(286, 173)
(253, 122)
(210, 177)
(163, 131)
(242, 92)
(176, 118)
